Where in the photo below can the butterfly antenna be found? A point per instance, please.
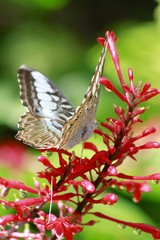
(51, 201)
(82, 150)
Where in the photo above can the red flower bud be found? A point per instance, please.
(101, 40)
(110, 199)
(88, 186)
(112, 171)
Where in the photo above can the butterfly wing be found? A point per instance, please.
(82, 124)
(48, 110)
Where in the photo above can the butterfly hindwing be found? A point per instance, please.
(39, 132)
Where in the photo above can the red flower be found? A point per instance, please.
(13, 153)
(83, 182)
(60, 227)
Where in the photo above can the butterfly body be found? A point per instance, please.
(51, 121)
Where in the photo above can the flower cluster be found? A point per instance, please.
(76, 184)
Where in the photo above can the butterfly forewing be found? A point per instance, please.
(51, 120)
(82, 124)
(41, 96)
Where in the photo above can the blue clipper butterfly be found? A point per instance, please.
(51, 121)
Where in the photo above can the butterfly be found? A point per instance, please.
(51, 121)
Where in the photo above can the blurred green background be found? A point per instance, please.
(58, 38)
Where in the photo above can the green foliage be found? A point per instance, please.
(44, 5)
(36, 33)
